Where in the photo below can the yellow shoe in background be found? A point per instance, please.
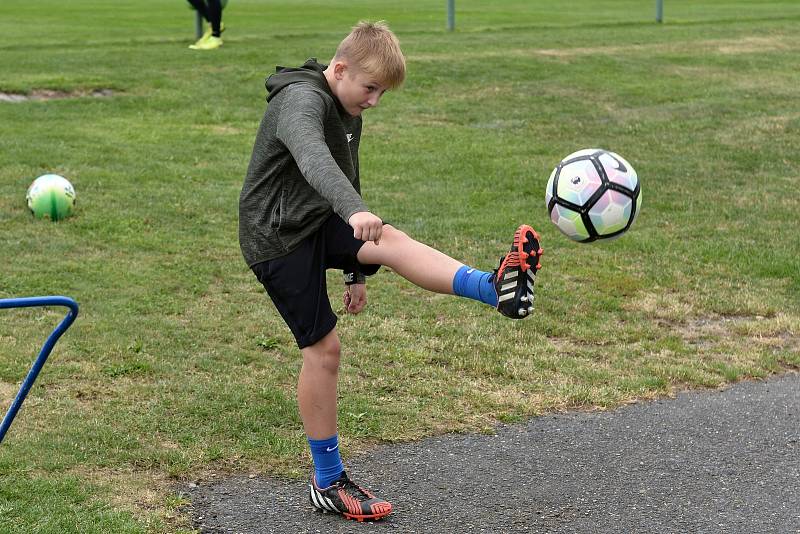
(209, 31)
(207, 44)
(206, 36)
(200, 41)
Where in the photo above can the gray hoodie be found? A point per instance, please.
(304, 165)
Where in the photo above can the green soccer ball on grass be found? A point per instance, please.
(51, 196)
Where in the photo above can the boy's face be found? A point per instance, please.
(356, 90)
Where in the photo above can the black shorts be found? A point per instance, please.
(296, 282)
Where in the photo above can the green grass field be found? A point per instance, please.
(178, 368)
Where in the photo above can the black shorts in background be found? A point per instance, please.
(296, 282)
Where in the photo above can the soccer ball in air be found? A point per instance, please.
(593, 194)
(51, 195)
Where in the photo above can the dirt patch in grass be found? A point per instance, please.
(754, 45)
(707, 330)
(148, 495)
(54, 94)
(754, 330)
(7, 394)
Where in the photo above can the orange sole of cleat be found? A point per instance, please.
(520, 240)
(362, 518)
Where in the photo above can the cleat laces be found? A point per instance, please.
(353, 489)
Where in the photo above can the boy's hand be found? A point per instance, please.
(366, 226)
(355, 298)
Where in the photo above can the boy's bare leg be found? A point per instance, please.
(418, 263)
(316, 387)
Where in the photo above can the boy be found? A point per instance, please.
(301, 212)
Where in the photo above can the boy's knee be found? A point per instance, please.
(325, 354)
(390, 233)
(331, 346)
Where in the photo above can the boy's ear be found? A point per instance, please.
(339, 68)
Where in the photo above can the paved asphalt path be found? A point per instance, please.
(709, 461)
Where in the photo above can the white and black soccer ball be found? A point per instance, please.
(593, 194)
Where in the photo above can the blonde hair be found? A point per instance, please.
(374, 48)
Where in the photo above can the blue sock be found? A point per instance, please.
(475, 284)
(327, 462)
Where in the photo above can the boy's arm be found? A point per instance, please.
(300, 128)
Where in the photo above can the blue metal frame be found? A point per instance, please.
(29, 302)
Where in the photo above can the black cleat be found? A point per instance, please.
(515, 277)
(345, 497)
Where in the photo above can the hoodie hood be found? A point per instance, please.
(311, 72)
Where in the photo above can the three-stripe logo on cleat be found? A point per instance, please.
(321, 501)
(508, 289)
